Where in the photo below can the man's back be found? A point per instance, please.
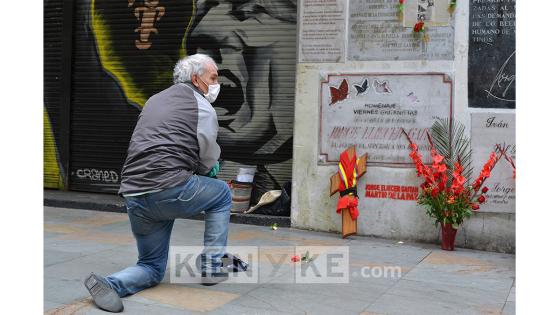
(164, 148)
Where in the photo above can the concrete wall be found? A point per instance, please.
(313, 208)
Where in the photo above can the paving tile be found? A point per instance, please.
(49, 305)
(363, 292)
(251, 302)
(417, 298)
(79, 268)
(51, 257)
(388, 253)
(87, 307)
(509, 308)
(78, 307)
(471, 257)
(249, 306)
(511, 297)
(119, 257)
(80, 246)
(63, 291)
(187, 297)
(473, 271)
(281, 237)
(283, 297)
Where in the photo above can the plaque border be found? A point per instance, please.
(324, 157)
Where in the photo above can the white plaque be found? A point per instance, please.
(369, 110)
(322, 30)
(375, 33)
(487, 131)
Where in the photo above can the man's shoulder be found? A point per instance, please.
(175, 90)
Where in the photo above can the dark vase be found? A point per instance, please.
(448, 236)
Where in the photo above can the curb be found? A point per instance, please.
(114, 203)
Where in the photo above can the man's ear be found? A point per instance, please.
(195, 83)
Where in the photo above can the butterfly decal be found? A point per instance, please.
(340, 93)
(412, 98)
(361, 88)
(382, 87)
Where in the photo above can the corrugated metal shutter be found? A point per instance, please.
(52, 65)
(124, 52)
(254, 44)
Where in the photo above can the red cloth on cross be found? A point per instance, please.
(350, 202)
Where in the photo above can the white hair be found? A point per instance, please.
(188, 66)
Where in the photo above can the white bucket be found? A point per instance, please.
(246, 174)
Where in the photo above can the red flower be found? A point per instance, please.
(460, 180)
(458, 168)
(484, 189)
(481, 199)
(401, 1)
(295, 258)
(475, 207)
(419, 27)
(434, 193)
(477, 183)
(451, 200)
(441, 168)
(413, 146)
(436, 157)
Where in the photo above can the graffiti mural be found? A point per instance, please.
(52, 177)
(125, 51)
(52, 47)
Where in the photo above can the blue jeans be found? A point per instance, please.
(151, 219)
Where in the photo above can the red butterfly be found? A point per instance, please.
(339, 94)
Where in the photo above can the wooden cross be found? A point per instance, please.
(349, 226)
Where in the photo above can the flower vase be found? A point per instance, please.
(448, 236)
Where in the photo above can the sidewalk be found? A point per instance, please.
(114, 203)
(432, 281)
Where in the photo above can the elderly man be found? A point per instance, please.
(168, 172)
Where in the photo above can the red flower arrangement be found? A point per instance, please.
(419, 27)
(445, 192)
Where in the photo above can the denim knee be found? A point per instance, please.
(159, 274)
(226, 192)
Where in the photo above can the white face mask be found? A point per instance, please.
(213, 91)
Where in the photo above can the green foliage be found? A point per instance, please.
(441, 210)
(450, 141)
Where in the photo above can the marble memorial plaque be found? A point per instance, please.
(492, 54)
(322, 30)
(375, 33)
(488, 130)
(368, 110)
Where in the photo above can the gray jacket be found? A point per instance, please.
(175, 136)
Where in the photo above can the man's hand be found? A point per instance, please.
(214, 170)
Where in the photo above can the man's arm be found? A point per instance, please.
(207, 133)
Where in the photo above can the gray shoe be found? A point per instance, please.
(103, 295)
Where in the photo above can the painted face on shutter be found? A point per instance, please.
(254, 48)
(253, 43)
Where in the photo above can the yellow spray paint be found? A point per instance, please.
(110, 61)
(183, 50)
(113, 63)
(51, 170)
